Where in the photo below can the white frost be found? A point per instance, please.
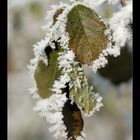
(51, 109)
(118, 24)
(94, 2)
(60, 83)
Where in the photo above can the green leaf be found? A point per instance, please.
(83, 98)
(86, 31)
(72, 120)
(46, 75)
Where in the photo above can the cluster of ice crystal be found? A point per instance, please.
(82, 136)
(53, 33)
(71, 69)
(60, 83)
(66, 60)
(51, 109)
(98, 63)
(95, 2)
(98, 98)
(119, 25)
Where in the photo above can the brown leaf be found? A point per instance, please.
(72, 120)
(72, 117)
(86, 31)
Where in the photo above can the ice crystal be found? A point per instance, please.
(95, 2)
(119, 25)
(51, 109)
(82, 136)
(60, 83)
(72, 72)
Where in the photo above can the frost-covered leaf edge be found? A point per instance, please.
(94, 67)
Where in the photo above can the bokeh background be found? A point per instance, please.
(113, 122)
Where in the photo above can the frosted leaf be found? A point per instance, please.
(67, 61)
(84, 96)
(86, 31)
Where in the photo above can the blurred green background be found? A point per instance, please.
(113, 122)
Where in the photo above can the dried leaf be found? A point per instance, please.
(86, 31)
(46, 75)
(72, 120)
(72, 117)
